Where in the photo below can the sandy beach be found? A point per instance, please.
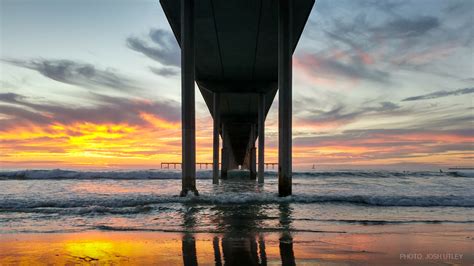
(420, 245)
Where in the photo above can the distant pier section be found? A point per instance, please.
(177, 165)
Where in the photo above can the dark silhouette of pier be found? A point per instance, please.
(239, 52)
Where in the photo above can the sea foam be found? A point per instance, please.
(145, 203)
(203, 174)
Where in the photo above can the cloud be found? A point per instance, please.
(440, 94)
(76, 73)
(407, 28)
(7, 85)
(390, 138)
(16, 115)
(10, 97)
(165, 50)
(460, 7)
(385, 106)
(405, 36)
(339, 114)
(386, 146)
(165, 71)
(110, 110)
(352, 67)
(389, 7)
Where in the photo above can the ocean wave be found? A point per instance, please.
(383, 222)
(77, 210)
(146, 203)
(461, 173)
(58, 174)
(207, 230)
(165, 230)
(279, 229)
(69, 174)
(370, 174)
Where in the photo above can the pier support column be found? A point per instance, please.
(225, 154)
(253, 154)
(215, 144)
(187, 99)
(261, 137)
(253, 163)
(285, 51)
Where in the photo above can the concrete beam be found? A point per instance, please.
(215, 141)
(285, 51)
(238, 86)
(188, 111)
(261, 137)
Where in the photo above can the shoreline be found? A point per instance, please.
(416, 246)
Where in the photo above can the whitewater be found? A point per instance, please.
(42, 201)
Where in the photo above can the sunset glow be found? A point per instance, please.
(371, 87)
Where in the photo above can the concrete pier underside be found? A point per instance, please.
(236, 56)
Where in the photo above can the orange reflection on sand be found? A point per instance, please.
(92, 247)
(95, 250)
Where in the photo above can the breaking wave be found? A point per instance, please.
(69, 174)
(201, 174)
(138, 204)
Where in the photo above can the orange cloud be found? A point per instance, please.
(121, 145)
(159, 122)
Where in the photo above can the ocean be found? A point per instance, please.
(61, 201)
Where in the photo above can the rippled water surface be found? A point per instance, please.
(67, 201)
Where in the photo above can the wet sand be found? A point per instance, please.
(420, 245)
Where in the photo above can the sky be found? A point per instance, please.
(95, 84)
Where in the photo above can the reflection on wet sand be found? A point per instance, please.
(270, 248)
(286, 239)
(189, 250)
(189, 240)
(239, 234)
(241, 244)
(217, 251)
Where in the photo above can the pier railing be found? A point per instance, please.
(177, 165)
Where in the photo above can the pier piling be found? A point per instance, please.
(285, 51)
(188, 114)
(215, 143)
(261, 137)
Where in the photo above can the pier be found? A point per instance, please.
(239, 53)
